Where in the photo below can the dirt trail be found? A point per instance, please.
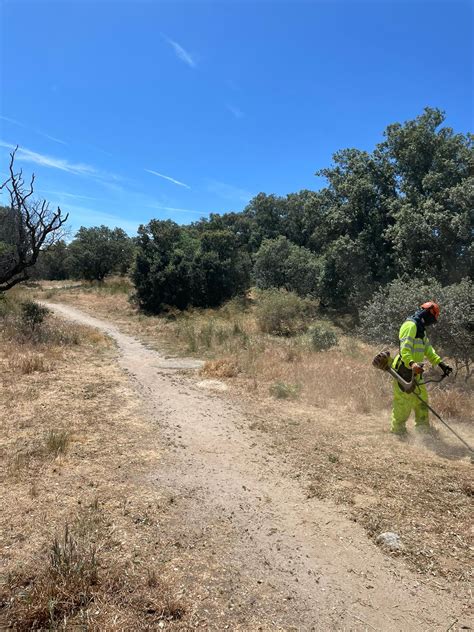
(269, 556)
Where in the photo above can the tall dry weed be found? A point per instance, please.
(224, 367)
(58, 590)
(75, 587)
(29, 362)
(57, 442)
(452, 403)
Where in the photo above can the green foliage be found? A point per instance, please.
(55, 262)
(163, 274)
(96, 252)
(222, 268)
(52, 263)
(282, 264)
(383, 315)
(283, 313)
(178, 267)
(345, 279)
(32, 315)
(283, 390)
(432, 212)
(452, 336)
(403, 209)
(350, 237)
(322, 337)
(455, 333)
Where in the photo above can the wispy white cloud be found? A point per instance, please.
(26, 155)
(229, 191)
(160, 175)
(53, 138)
(36, 131)
(11, 120)
(180, 52)
(110, 181)
(235, 111)
(72, 196)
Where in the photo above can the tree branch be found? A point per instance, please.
(31, 227)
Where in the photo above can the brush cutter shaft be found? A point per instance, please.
(447, 425)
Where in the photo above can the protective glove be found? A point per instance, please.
(447, 370)
(417, 368)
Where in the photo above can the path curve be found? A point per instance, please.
(296, 563)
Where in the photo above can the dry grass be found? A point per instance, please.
(81, 516)
(231, 340)
(75, 585)
(62, 587)
(224, 367)
(29, 362)
(57, 442)
(332, 424)
(452, 403)
(283, 390)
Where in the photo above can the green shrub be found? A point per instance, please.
(282, 264)
(322, 337)
(283, 390)
(10, 305)
(98, 251)
(455, 332)
(382, 317)
(32, 315)
(177, 267)
(283, 313)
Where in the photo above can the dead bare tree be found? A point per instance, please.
(26, 227)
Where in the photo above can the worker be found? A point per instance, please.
(414, 347)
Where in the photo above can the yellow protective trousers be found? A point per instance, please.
(404, 403)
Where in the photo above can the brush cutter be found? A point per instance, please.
(383, 361)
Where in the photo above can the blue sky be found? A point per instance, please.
(225, 99)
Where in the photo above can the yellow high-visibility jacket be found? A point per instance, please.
(413, 349)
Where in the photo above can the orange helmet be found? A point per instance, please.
(431, 307)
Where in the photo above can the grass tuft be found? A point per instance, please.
(224, 367)
(29, 362)
(283, 390)
(58, 590)
(57, 442)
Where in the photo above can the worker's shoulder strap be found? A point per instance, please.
(420, 330)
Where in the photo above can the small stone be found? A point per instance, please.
(390, 540)
(212, 385)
